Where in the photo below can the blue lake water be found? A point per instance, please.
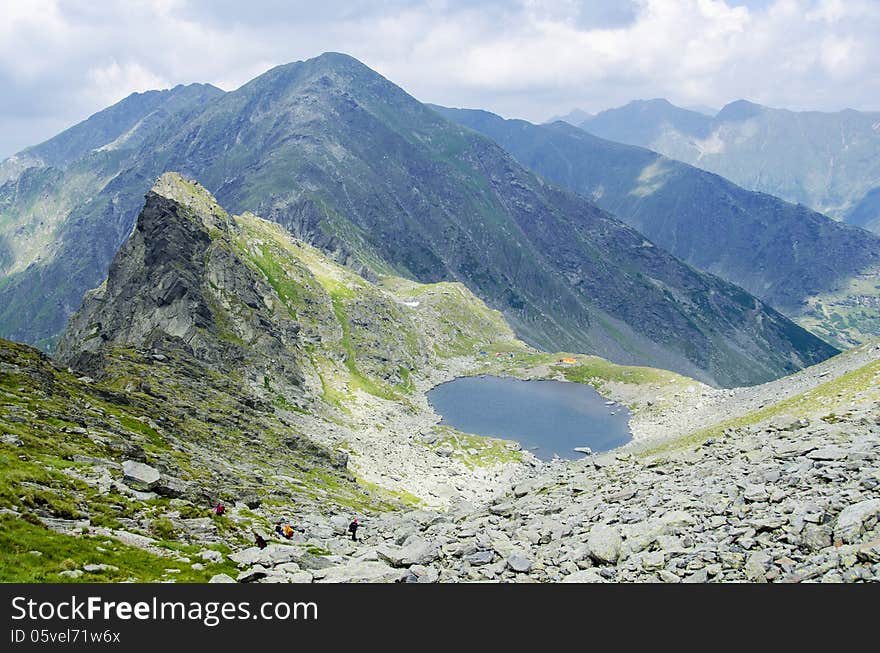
(546, 417)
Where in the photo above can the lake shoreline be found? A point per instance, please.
(548, 417)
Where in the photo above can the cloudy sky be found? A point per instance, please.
(62, 60)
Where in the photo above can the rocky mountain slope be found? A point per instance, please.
(223, 360)
(828, 161)
(351, 163)
(866, 212)
(230, 361)
(788, 492)
(799, 261)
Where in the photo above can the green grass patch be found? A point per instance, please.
(18, 538)
(475, 450)
(595, 371)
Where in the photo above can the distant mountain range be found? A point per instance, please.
(827, 161)
(349, 162)
(794, 258)
(574, 117)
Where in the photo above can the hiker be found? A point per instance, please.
(278, 529)
(353, 529)
(219, 509)
(287, 531)
(258, 539)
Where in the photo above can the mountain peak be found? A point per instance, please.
(335, 59)
(188, 193)
(574, 117)
(739, 110)
(328, 62)
(178, 283)
(653, 102)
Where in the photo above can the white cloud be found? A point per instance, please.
(112, 82)
(61, 61)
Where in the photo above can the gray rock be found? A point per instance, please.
(869, 552)
(360, 572)
(850, 522)
(299, 577)
(140, 476)
(251, 500)
(699, 576)
(221, 578)
(480, 558)
(201, 528)
(93, 568)
(528, 487)
(209, 555)
(250, 575)
(827, 453)
(815, 537)
(173, 487)
(314, 562)
(668, 577)
(421, 574)
(756, 567)
(289, 567)
(755, 493)
(653, 560)
(274, 554)
(519, 563)
(415, 551)
(503, 509)
(339, 524)
(604, 543)
(584, 576)
(71, 573)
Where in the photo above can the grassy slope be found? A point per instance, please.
(31, 553)
(57, 428)
(827, 401)
(847, 316)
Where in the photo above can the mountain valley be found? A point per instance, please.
(226, 360)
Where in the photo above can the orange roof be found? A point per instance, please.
(569, 360)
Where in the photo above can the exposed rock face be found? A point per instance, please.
(178, 283)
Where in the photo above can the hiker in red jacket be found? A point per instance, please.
(353, 529)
